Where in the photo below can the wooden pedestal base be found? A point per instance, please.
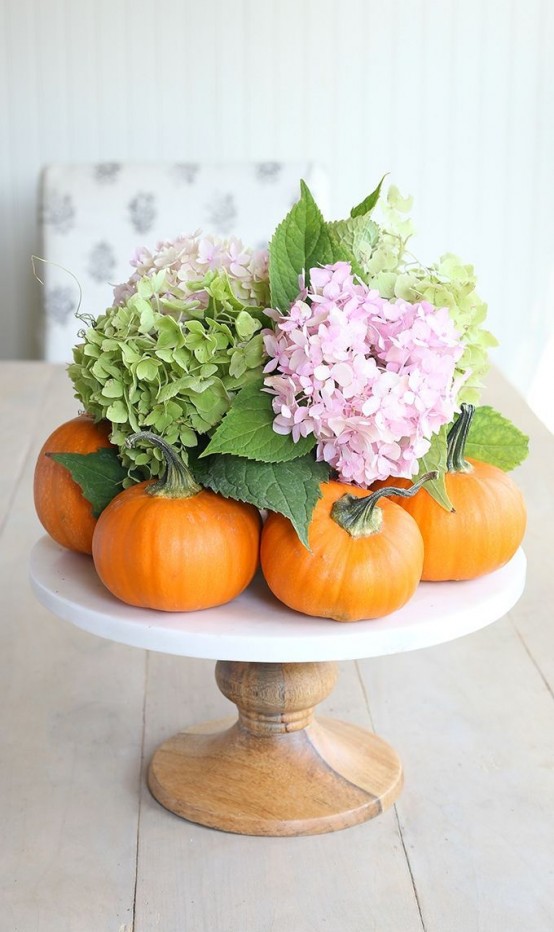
(276, 771)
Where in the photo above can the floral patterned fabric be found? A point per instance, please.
(93, 217)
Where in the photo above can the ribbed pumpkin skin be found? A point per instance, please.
(343, 578)
(61, 507)
(176, 554)
(482, 534)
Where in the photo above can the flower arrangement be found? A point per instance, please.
(332, 355)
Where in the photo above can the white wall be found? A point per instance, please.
(454, 97)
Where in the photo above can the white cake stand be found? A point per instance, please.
(277, 770)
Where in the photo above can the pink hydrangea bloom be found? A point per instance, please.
(188, 259)
(371, 379)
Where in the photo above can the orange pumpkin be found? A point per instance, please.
(173, 546)
(61, 507)
(364, 560)
(487, 524)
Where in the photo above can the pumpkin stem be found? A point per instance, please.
(360, 517)
(177, 480)
(456, 440)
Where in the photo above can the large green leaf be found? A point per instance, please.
(247, 430)
(354, 241)
(100, 475)
(369, 202)
(435, 460)
(300, 242)
(291, 488)
(492, 438)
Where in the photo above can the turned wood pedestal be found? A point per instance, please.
(277, 769)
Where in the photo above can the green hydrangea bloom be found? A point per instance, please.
(448, 283)
(167, 365)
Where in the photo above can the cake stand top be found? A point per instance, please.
(256, 627)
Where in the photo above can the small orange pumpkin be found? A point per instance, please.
(487, 524)
(61, 507)
(173, 546)
(364, 560)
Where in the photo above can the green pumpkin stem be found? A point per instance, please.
(177, 480)
(361, 517)
(456, 440)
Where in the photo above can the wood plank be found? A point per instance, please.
(190, 877)
(71, 723)
(21, 384)
(470, 721)
(533, 615)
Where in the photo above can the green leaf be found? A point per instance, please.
(492, 438)
(367, 205)
(341, 252)
(435, 459)
(300, 242)
(291, 488)
(100, 475)
(247, 430)
(354, 238)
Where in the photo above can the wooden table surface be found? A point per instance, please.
(84, 848)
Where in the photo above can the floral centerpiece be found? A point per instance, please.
(332, 356)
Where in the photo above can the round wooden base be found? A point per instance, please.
(326, 777)
(276, 772)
